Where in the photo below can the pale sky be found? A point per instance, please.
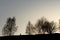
(28, 10)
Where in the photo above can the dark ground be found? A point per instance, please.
(35, 37)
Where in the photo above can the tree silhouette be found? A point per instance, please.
(10, 27)
(40, 24)
(30, 29)
(53, 26)
(44, 25)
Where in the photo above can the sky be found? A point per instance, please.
(28, 10)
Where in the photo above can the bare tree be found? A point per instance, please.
(53, 26)
(30, 29)
(40, 24)
(44, 25)
(10, 27)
